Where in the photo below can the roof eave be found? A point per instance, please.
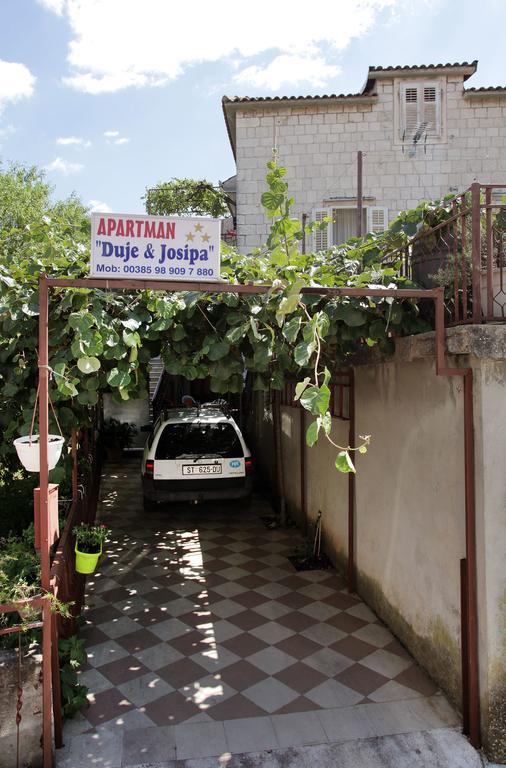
(466, 70)
(230, 107)
(484, 93)
(228, 119)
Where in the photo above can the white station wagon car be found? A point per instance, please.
(195, 454)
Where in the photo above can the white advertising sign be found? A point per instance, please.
(155, 247)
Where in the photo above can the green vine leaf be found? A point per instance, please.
(312, 433)
(88, 364)
(316, 399)
(344, 462)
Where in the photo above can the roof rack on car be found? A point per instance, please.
(219, 404)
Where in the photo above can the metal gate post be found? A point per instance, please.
(47, 745)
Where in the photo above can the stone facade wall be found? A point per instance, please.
(318, 144)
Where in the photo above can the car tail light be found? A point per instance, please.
(248, 463)
(149, 468)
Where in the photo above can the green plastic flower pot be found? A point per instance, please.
(86, 562)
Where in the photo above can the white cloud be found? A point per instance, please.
(98, 206)
(56, 6)
(62, 166)
(288, 70)
(75, 141)
(113, 137)
(118, 44)
(16, 82)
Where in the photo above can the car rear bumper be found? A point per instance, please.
(196, 489)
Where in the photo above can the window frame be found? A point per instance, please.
(400, 87)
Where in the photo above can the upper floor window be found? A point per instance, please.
(342, 224)
(420, 113)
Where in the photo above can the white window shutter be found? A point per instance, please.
(377, 218)
(432, 109)
(410, 109)
(420, 111)
(322, 238)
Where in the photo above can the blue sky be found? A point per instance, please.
(112, 96)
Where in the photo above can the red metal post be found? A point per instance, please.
(476, 251)
(56, 684)
(472, 602)
(463, 225)
(360, 199)
(469, 618)
(351, 489)
(303, 501)
(490, 255)
(464, 646)
(74, 465)
(455, 264)
(47, 746)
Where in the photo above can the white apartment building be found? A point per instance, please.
(422, 133)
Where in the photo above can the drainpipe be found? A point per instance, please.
(469, 617)
(351, 489)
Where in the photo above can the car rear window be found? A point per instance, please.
(198, 439)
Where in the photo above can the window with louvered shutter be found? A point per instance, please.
(377, 218)
(430, 110)
(411, 112)
(322, 237)
(420, 112)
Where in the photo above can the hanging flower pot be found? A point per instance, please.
(88, 548)
(28, 447)
(28, 450)
(86, 562)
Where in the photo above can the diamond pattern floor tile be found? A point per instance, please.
(199, 617)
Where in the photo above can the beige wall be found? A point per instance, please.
(134, 411)
(410, 533)
(318, 144)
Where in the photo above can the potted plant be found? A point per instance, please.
(89, 542)
(28, 451)
(117, 435)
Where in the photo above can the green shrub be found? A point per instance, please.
(72, 655)
(16, 504)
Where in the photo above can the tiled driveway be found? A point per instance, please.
(202, 639)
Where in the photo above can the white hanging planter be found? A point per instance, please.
(28, 451)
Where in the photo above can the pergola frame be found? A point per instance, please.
(469, 635)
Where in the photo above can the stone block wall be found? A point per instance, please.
(319, 143)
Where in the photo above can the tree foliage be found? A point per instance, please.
(186, 197)
(103, 341)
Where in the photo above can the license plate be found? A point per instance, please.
(201, 469)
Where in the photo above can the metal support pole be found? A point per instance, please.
(469, 617)
(490, 256)
(476, 251)
(74, 464)
(351, 489)
(278, 448)
(464, 646)
(304, 222)
(47, 747)
(472, 602)
(359, 194)
(303, 501)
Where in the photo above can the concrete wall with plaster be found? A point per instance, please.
(410, 533)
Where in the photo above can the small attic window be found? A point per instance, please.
(420, 113)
